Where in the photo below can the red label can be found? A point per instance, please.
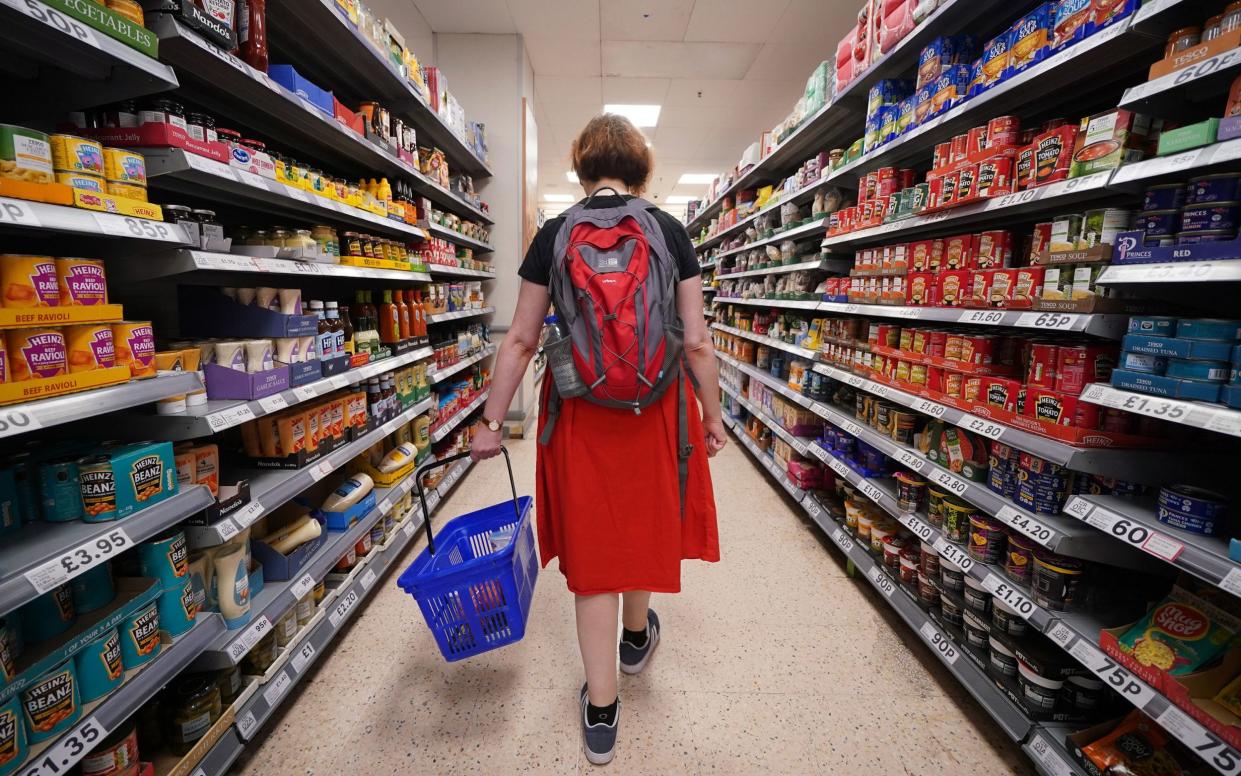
(936, 342)
(869, 186)
(1042, 238)
(953, 343)
(886, 182)
(995, 248)
(960, 148)
(977, 139)
(1041, 371)
(1023, 170)
(995, 177)
(942, 156)
(967, 184)
(1003, 131)
(888, 335)
(952, 383)
(978, 349)
(948, 188)
(905, 179)
(935, 379)
(1079, 365)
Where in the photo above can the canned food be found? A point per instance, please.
(1210, 216)
(928, 592)
(1170, 196)
(987, 539)
(1160, 223)
(89, 346)
(140, 636)
(1204, 236)
(1162, 325)
(1222, 187)
(1056, 581)
(957, 520)
(1018, 556)
(978, 349)
(127, 190)
(82, 180)
(29, 281)
(97, 485)
(99, 666)
(1001, 659)
(36, 354)
(52, 703)
(1213, 329)
(1042, 369)
(25, 155)
(71, 153)
(135, 347)
(1101, 227)
(911, 491)
(124, 166)
(1003, 131)
(81, 282)
(977, 599)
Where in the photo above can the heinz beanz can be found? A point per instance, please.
(93, 589)
(99, 667)
(97, 483)
(51, 614)
(140, 636)
(165, 558)
(178, 607)
(12, 736)
(59, 494)
(52, 704)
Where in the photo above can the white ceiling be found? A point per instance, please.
(723, 70)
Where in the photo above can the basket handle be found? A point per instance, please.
(428, 466)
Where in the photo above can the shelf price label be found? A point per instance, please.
(1167, 409)
(1232, 581)
(928, 407)
(870, 491)
(305, 392)
(59, 22)
(409, 527)
(1123, 682)
(226, 529)
(923, 531)
(882, 581)
(1209, 747)
(368, 578)
(953, 554)
(1052, 763)
(957, 485)
(851, 428)
(1047, 321)
(910, 460)
(321, 469)
(983, 426)
(1026, 524)
(69, 749)
(1078, 507)
(15, 212)
(249, 514)
(343, 607)
(248, 638)
(811, 505)
(128, 226)
(278, 687)
(273, 403)
(991, 317)
(947, 651)
(302, 587)
(1016, 198)
(78, 560)
(1135, 534)
(246, 724)
(1010, 596)
(842, 539)
(304, 655)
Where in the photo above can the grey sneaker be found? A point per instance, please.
(599, 739)
(633, 659)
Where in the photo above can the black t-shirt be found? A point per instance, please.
(537, 265)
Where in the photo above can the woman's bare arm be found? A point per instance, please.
(700, 355)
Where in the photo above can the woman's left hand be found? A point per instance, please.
(715, 438)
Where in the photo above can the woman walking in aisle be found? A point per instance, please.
(623, 488)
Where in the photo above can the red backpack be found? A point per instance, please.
(613, 286)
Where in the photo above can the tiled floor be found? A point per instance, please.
(773, 661)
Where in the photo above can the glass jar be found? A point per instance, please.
(325, 238)
(301, 240)
(194, 706)
(279, 167)
(229, 682)
(174, 213)
(230, 136)
(162, 110)
(352, 244)
(257, 146)
(257, 237)
(297, 172)
(305, 610)
(1232, 18)
(201, 127)
(123, 114)
(316, 179)
(368, 246)
(286, 629)
(320, 592)
(277, 237)
(205, 217)
(261, 656)
(1212, 28)
(1187, 37)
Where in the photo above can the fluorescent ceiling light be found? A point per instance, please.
(559, 198)
(679, 199)
(697, 178)
(640, 115)
(572, 177)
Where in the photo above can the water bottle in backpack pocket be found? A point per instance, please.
(558, 346)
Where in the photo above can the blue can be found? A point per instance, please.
(166, 558)
(140, 636)
(10, 647)
(51, 614)
(1169, 196)
(177, 609)
(99, 666)
(52, 703)
(1212, 329)
(1221, 187)
(93, 589)
(1193, 523)
(1141, 362)
(10, 505)
(13, 749)
(1160, 325)
(1197, 502)
(60, 494)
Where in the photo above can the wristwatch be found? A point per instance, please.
(493, 425)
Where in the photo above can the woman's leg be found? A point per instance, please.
(633, 614)
(596, 636)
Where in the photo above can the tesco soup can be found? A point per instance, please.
(99, 667)
(12, 736)
(140, 636)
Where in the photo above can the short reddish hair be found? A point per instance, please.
(610, 146)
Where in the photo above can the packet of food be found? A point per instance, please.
(1181, 634)
(1135, 747)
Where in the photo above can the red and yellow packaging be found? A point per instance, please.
(1079, 365)
(926, 255)
(1000, 392)
(967, 184)
(959, 251)
(1053, 154)
(1061, 409)
(954, 287)
(1023, 168)
(81, 282)
(36, 354)
(134, 342)
(994, 249)
(1027, 286)
(921, 288)
(89, 346)
(28, 281)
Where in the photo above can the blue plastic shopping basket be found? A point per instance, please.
(475, 591)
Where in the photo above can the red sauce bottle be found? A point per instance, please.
(252, 33)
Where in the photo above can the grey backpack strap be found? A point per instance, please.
(684, 448)
(552, 408)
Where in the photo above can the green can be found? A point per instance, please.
(60, 495)
(25, 154)
(140, 636)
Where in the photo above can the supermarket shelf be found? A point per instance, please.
(1212, 417)
(828, 265)
(1135, 523)
(1054, 533)
(1223, 271)
(28, 416)
(316, 639)
(1204, 78)
(26, 215)
(1160, 17)
(818, 226)
(840, 121)
(445, 428)
(438, 375)
(458, 314)
(1078, 635)
(329, 50)
(1052, 197)
(186, 173)
(221, 756)
(792, 304)
(707, 288)
(1139, 465)
(220, 414)
(804, 194)
(768, 341)
(38, 557)
(976, 682)
(797, 443)
(224, 84)
(455, 237)
(1135, 176)
(78, 66)
(1046, 749)
(460, 272)
(100, 718)
(184, 261)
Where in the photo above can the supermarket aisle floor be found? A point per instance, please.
(773, 660)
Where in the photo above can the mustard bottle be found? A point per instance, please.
(385, 190)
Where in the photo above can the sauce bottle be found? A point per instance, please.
(389, 320)
(252, 33)
(385, 191)
(373, 407)
(325, 341)
(359, 309)
(387, 395)
(403, 317)
(347, 326)
(332, 314)
(372, 315)
(420, 313)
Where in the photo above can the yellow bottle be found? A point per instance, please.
(385, 190)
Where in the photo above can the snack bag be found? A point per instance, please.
(1136, 746)
(1181, 634)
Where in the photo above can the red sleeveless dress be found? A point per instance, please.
(606, 496)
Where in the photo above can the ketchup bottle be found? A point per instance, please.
(252, 33)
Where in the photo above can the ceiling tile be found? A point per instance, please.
(646, 19)
(642, 59)
(556, 56)
(641, 91)
(786, 62)
(815, 21)
(578, 19)
(701, 117)
(568, 90)
(463, 16)
(734, 20)
(573, 117)
(749, 94)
